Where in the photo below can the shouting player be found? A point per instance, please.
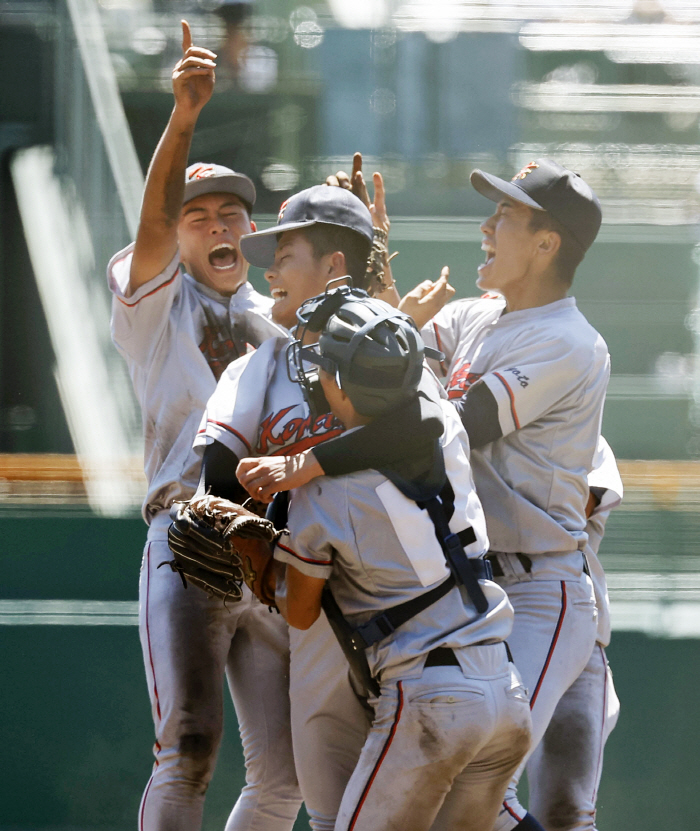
(182, 310)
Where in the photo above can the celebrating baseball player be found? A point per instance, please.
(182, 310)
(402, 565)
(324, 234)
(528, 376)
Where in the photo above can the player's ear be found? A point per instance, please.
(549, 242)
(336, 265)
(253, 226)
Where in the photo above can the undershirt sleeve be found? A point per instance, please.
(478, 410)
(218, 475)
(407, 431)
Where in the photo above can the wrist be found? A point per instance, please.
(184, 118)
(310, 465)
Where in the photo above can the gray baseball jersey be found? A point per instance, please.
(547, 369)
(378, 549)
(177, 336)
(256, 410)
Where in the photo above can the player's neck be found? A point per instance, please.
(531, 294)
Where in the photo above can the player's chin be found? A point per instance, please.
(227, 281)
(284, 313)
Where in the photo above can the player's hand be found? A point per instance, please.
(427, 298)
(355, 182)
(193, 75)
(264, 477)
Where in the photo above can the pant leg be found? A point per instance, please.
(564, 770)
(431, 734)
(553, 636)
(329, 721)
(185, 637)
(258, 676)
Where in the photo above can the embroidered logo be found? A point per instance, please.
(524, 172)
(202, 171)
(218, 349)
(461, 380)
(280, 216)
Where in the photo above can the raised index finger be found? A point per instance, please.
(186, 36)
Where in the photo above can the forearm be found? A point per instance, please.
(156, 239)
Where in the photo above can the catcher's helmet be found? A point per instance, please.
(375, 351)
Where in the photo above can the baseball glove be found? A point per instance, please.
(218, 545)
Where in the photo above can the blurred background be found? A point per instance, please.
(427, 91)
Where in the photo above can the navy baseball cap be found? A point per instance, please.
(547, 186)
(203, 178)
(319, 205)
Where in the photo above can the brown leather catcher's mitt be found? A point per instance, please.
(218, 545)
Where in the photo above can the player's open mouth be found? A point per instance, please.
(490, 254)
(224, 256)
(278, 294)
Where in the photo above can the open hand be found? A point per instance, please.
(193, 75)
(427, 298)
(355, 182)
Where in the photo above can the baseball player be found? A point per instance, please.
(182, 310)
(451, 716)
(564, 770)
(528, 376)
(323, 234)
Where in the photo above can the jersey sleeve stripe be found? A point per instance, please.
(153, 291)
(240, 438)
(382, 756)
(304, 559)
(552, 646)
(512, 399)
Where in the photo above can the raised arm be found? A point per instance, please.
(156, 239)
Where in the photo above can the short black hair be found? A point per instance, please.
(570, 251)
(326, 239)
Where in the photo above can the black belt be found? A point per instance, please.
(525, 562)
(442, 656)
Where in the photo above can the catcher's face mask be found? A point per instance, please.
(304, 360)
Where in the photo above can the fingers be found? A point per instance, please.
(186, 36)
(188, 49)
(356, 164)
(379, 193)
(339, 180)
(445, 272)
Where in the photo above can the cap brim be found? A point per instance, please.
(259, 248)
(495, 189)
(235, 183)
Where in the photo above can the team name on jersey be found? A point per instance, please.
(281, 436)
(461, 379)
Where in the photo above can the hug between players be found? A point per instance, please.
(428, 617)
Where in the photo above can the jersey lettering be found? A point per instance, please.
(523, 379)
(297, 433)
(461, 380)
